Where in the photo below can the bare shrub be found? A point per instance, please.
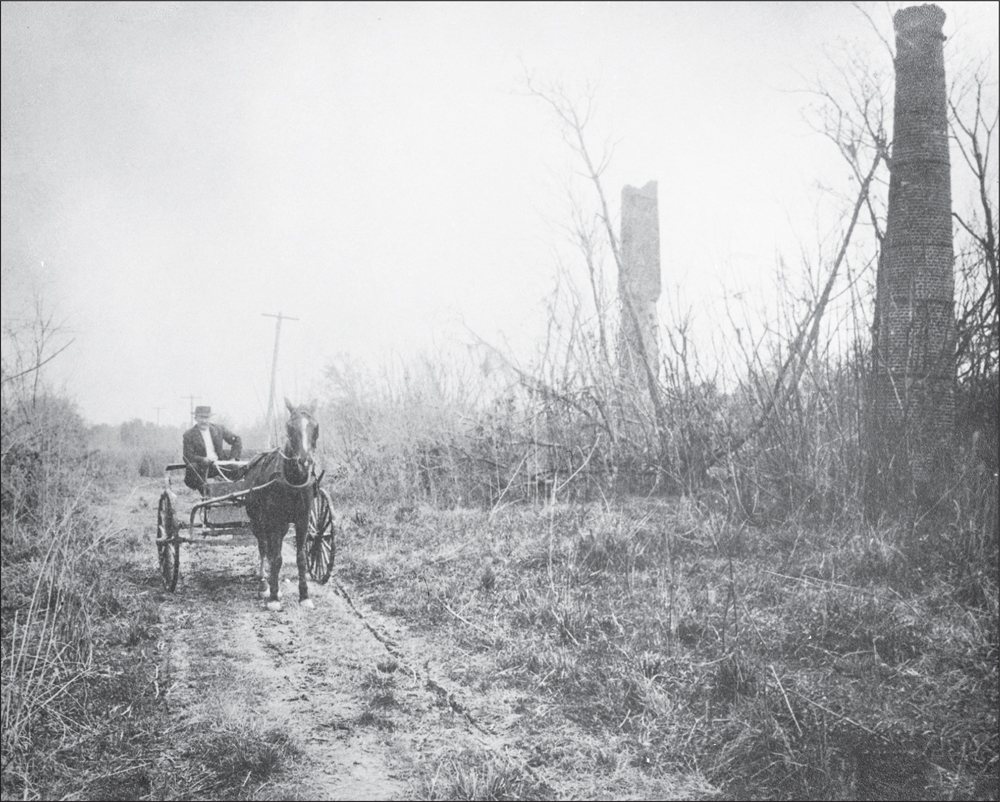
(61, 607)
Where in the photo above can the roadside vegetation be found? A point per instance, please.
(663, 649)
(83, 669)
(717, 643)
(669, 576)
(78, 624)
(671, 571)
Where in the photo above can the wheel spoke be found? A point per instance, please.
(167, 544)
(320, 538)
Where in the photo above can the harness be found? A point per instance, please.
(277, 473)
(278, 476)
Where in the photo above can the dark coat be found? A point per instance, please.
(196, 458)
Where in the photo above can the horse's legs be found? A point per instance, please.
(274, 540)
(300, 560)
(259, 529)
(265, 589)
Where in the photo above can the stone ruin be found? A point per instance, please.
(639, 282)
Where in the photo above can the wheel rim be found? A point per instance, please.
(319, 539)
(167, 548)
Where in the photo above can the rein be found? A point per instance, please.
(278, 476)
(281, 476)
(307, 469)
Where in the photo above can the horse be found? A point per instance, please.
(283, 487)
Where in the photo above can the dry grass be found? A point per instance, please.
(656, 645)
(237, 761)
(81, 684)
(478, 774)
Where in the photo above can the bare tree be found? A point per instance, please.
(973, 118)
(574, 117)
(37, 426)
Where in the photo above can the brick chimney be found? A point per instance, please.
(912, 410)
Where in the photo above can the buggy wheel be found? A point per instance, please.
(320, 547)
(168, 545)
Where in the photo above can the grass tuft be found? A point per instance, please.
(237, 762)
(762, 663)
(476, 775)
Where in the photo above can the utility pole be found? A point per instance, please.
(191, 399)
(158, 415)
(269, 420)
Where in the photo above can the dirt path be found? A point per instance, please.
(358, 694)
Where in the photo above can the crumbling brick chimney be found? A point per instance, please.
(639, 282)
(912, 405)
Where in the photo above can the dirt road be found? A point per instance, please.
(358, 695)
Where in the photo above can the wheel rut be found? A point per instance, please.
(356, 693)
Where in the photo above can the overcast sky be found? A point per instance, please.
(172, 171)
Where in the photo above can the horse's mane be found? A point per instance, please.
(263, 468)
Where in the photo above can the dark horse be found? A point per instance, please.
(284, 487)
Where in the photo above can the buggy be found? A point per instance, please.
(220, 516)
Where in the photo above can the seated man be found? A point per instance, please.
(203, 448)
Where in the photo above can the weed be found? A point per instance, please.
(473, 775)
(387, 665)
(81, 695)
(383, 700)
(235, 762)
(488, 579)
(371, 718)
(381, 679)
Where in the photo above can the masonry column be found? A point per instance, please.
(639, 281)
(911, 401)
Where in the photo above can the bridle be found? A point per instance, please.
(303, 464)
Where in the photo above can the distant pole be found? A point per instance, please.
(269, 420)
(158, 414)
(191, 399)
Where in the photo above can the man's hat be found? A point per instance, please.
(203, 411)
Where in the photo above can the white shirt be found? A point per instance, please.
(206, 435)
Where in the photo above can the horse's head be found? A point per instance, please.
(300, 448)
